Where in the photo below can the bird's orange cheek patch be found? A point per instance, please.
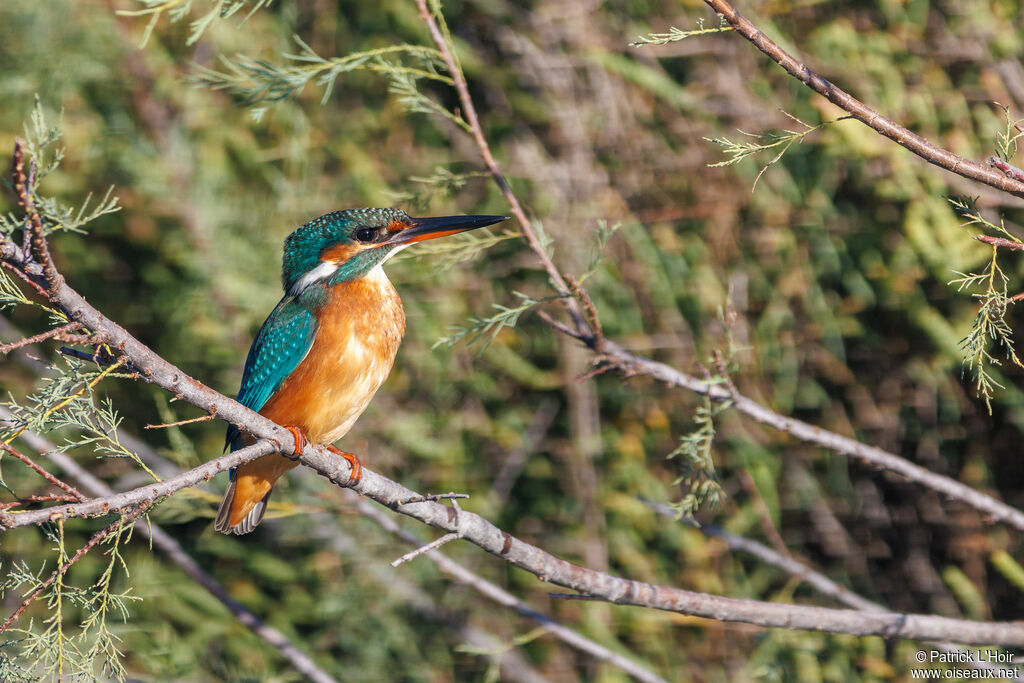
(339, 253)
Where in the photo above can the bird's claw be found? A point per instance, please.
(300, 443)
(357, 467)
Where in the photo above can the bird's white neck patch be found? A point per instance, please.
(323, 271)
(328, 268)
(394, 252)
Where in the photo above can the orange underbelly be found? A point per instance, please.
(330, 389)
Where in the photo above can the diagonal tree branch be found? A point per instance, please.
(464, 576)
(912, 141)
(67, 488)
(469, 109)
(150, 493)
(173, 550)
(876, 457)
(819, 582)
(603, 586)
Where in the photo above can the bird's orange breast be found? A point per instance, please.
(360, 327)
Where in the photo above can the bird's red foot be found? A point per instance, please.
(300, 442)
(357, 467)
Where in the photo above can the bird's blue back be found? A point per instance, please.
(282, 342)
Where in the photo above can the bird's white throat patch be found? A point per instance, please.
(328, 268)
(323, 271)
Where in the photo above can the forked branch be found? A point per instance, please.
(931, 153)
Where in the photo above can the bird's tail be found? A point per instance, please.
(249, 522)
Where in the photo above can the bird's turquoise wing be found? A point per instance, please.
(280, 345)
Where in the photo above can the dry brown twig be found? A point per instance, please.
(67, 488)
(28, 500)
(1000, 242)
(55, 333)
(179, 423)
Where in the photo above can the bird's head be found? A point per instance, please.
(346, 245)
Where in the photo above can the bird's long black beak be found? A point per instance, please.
(439, 226)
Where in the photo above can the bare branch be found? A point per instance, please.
(876, 457)
(145, 494)
(57, 332)
(201, 418)
(433, 497)
(464, 576)
(1000, 242)
(817, 580)
(34, 232)
(426, 548)
(27, 500)
(915, 143)
(469, 110)
(68, 488)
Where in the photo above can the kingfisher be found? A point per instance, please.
(327, 347)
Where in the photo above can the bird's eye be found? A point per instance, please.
(366, 235)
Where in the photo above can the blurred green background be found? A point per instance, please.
(834, 269)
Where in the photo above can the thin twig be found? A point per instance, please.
(24, 276)
(42, 336)
(433, 545)
(100, 356)
(433, 497)
(67, 488)
(165, 425)
(469, 111)
(1001, 242)
(499, 595)
(28, 500)
(23, 188)
(516, 460)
